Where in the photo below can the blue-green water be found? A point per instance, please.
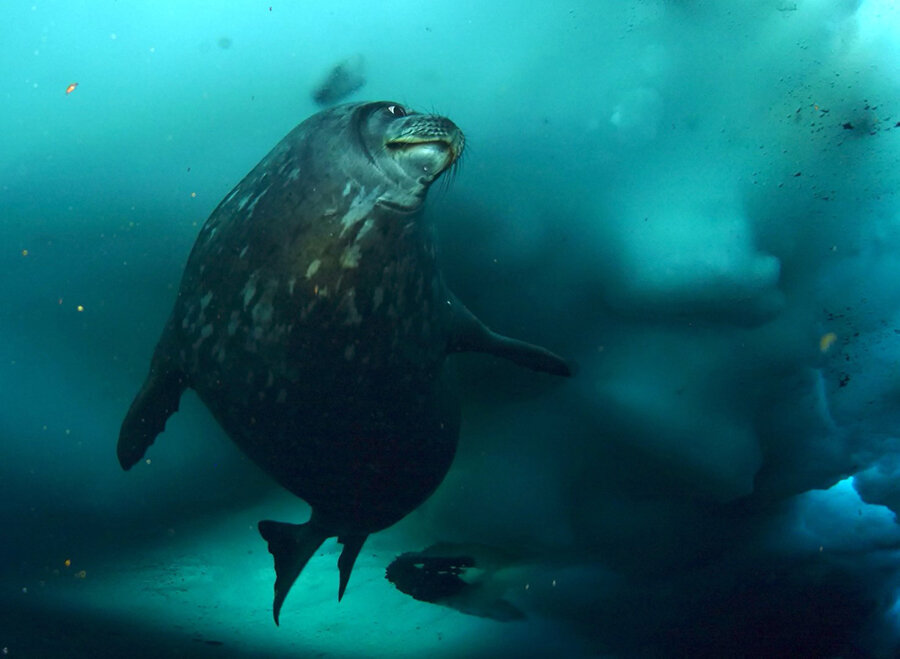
(697, 202)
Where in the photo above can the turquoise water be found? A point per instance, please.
(696, 202)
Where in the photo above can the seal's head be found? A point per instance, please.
(379, 146)
(409, 148)
(423, 145)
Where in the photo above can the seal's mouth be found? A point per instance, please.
(424, 158)
(411, 143)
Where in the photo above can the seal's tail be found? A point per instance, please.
(352, 545)
(292, 545)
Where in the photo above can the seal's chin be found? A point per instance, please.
(423, 159)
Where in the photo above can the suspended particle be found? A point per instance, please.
(827, 341)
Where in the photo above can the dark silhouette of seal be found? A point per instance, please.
(342, 80)
(461, 577)
(313, 322)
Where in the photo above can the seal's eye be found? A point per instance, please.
(396, 110)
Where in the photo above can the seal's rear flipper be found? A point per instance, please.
(352, 545)
(471, 335)
(292, 545)
(155, 403)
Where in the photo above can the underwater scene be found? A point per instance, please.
(463, 329)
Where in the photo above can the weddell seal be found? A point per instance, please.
(313, 322)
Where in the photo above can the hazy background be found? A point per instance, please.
(696, 201)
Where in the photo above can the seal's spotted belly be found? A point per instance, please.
(340, 372)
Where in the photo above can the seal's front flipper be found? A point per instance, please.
(155, 403)
(292, 545)
(471, 335)
(352, 545)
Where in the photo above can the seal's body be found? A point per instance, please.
(312, 320)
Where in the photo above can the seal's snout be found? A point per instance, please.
(426, 144)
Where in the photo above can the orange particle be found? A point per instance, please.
(24, 252)
(826, 341)
(80, 308)
(67, 562)
(71, 88)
